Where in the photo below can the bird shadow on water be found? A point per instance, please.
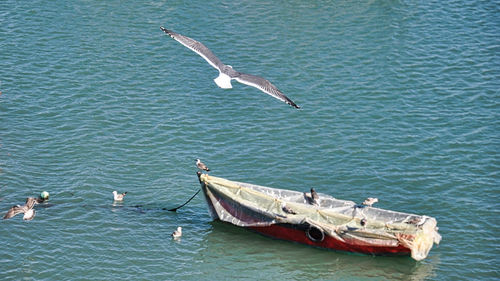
(308, 263)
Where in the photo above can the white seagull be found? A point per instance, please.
(178, 233)
(201, 165)
(118, 197)
(226, 72)
(27, 209)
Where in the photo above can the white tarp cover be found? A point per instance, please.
(341, 219)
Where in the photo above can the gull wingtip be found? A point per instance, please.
(165, 30)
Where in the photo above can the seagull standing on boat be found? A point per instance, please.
(226, 72)
(288, 210)
(370, 201)
(314, 197)
(117, 196)
(178, 233)
(415, 220)
(27, 209)
(201, 165)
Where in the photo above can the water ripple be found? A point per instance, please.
(400, 101)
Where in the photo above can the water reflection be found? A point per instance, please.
(117, 205)
(283, 260)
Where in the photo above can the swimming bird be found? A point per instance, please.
(118, 197)
(178, 233)
(201, 165)
(226, 72)
(370, 201)
(27, 209)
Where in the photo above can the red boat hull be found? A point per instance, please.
(290, 233)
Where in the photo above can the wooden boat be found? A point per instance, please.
(332, 223)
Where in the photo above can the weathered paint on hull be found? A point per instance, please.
(291, 233)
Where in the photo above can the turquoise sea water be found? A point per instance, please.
(400, 101)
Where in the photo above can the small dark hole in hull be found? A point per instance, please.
(315, 234)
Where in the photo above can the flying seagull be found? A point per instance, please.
(27, 209)
(226, 72)
(118, 197)
(178, 233)
(201, 165)
(370, 201)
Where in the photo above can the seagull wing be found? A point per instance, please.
(196, 47)
(314, 194)
(30, 202)
(265, 86)
(14, 211)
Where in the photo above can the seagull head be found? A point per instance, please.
(228, 68)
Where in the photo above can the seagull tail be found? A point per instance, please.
(29, 215)
(223, 81)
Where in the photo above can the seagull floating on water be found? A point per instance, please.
(177, 233)
(370, 201)
(201, 165)
(27, 209)
(118, 197)
(226, 72)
